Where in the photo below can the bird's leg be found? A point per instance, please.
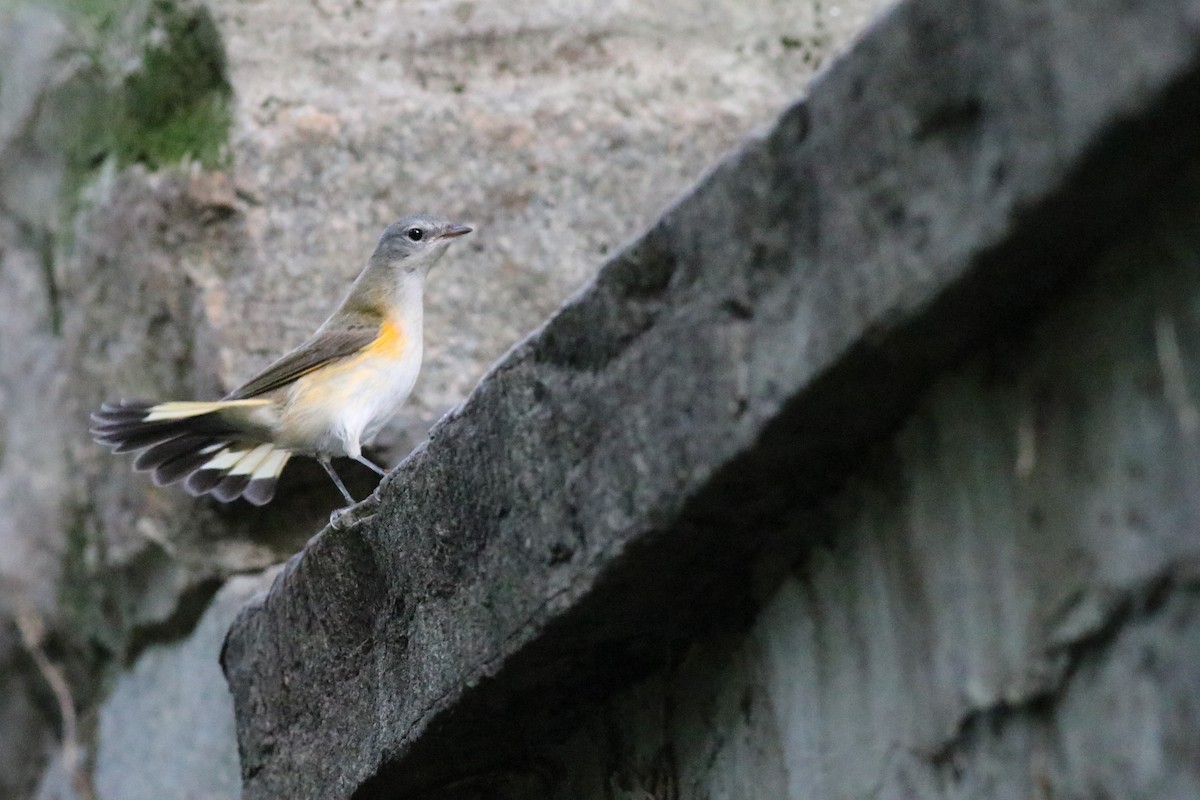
(324, 462)
(366, 462)
(342, 516)
(339, 516)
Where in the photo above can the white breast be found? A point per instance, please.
(382, 390)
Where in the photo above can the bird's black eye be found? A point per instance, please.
(416, 234)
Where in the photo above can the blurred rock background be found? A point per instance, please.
(187, 188)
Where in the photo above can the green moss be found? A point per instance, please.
(197, 130)
(177, 104)
(174, 105)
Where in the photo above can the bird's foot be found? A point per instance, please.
(347, 516)
(341, 518)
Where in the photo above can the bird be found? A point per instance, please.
(325, 399)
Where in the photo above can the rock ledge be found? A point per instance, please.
(609, 488)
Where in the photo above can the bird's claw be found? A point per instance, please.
(341, 517)
(347, 516)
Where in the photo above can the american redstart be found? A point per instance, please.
(327, 398)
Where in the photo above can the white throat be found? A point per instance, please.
(408, 304)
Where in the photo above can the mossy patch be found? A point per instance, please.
(177, 104)
(174, 105)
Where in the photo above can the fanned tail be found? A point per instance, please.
(214, 447)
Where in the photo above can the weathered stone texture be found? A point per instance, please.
(170, 711)
(706, 438)
(1002, 602)
(557, 129)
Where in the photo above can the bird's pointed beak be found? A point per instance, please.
(453, 231)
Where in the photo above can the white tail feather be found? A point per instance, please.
(272, 465)
(251, 461)
(225, 459)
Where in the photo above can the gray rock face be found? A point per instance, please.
(166, 730)
(558, 129)
(662, 457)
(171, 256)
(1001, 602)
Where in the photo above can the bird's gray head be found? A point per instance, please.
(415, 242)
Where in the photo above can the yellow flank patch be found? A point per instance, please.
(335, 385)
(390, 342)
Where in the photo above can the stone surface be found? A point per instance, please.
(1001, 602)
(624, 480)
(129, 269)
(559, 130)
(171, 710)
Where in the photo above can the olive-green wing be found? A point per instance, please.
(321, 349)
